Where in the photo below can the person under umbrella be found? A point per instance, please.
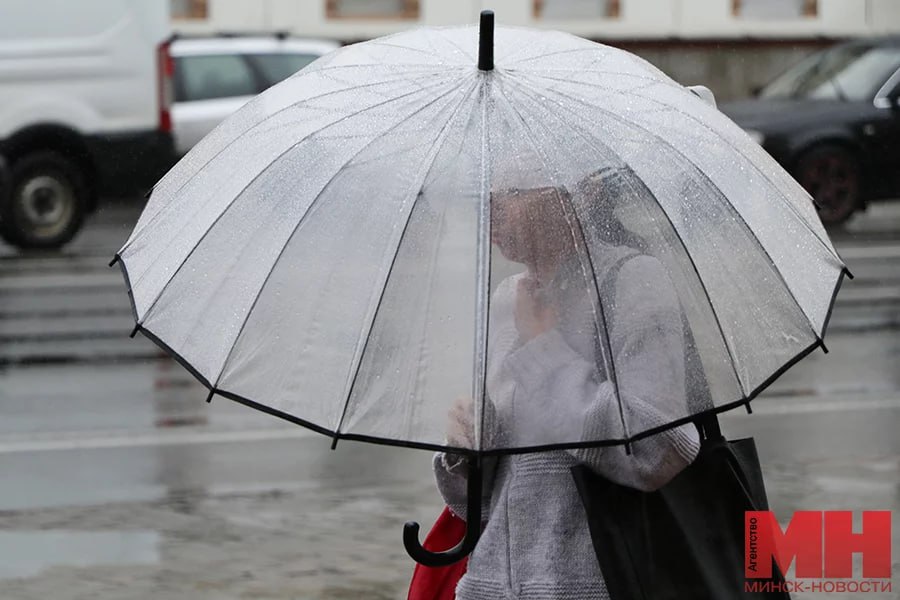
(546, 373)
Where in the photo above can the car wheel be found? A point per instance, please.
(45, 201)
(832, 177)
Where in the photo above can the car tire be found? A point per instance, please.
(44, 204)
(833, 178)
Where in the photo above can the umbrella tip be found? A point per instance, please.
(486, 41)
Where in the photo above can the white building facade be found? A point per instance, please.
(352, 20)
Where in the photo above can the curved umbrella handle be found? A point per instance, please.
(473, 527)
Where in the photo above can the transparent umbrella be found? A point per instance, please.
(409, 221)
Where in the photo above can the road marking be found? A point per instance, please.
(778, 406)
(858, 485)
(869, 294)
(180, 437)
(869, 251)
(28, 283)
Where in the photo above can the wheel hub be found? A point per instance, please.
(833, 184)
(46, 202)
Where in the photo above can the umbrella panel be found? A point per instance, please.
(422, 346)
(304, 340)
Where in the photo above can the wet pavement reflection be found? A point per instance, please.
(37, 551)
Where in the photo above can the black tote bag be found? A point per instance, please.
(685, 540)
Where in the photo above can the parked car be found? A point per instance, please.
(833, 122)
(215, 76)
(84, 110)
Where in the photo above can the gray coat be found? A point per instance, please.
(536, 543)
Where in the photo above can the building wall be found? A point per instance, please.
(637, 19)
(694, 41)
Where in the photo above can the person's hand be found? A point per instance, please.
(461, 423)
(533, 314)
(460, 433)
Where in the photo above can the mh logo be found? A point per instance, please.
(821, 542)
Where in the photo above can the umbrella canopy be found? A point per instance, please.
(374, 237)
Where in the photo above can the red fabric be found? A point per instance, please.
(439, 583)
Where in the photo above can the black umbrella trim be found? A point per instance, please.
(468, 451)
(834, 294)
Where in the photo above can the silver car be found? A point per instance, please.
(215, 76)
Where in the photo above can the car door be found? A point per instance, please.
(208, 88)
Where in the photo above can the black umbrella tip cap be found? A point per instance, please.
(486, 41)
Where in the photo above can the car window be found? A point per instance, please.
(276, 67)
(862, 78)
(219, 76)
(893, 92)
(844, 73)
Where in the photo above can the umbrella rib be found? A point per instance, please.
(483, 271)
(467, 53)
(539, 73)
(249, 183)
(557, 53)
(301, 221)
(709, 301)
(255, 126)
(716, 191)
(362, 342)
(514, 58)
(432, 68)
(405, 48)
(423, 335)
(590, 263)
(706, 126)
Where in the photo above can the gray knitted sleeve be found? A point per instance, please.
(450, 475)
(647, 348)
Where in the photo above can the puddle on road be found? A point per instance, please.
(27, 553)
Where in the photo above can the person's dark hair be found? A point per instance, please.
(599, 195)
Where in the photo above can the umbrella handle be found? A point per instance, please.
(473, 526)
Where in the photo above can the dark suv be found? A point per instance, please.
(833, 121)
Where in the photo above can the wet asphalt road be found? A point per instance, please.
(119, 481)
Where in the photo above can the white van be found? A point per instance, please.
(85, 90)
